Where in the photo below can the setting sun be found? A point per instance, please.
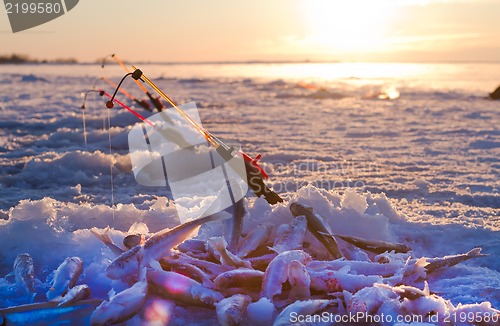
(343, 26)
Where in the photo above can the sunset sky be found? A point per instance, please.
(228, 30)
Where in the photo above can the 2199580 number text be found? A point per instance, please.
(33, 8)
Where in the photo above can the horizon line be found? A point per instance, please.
(44, 62)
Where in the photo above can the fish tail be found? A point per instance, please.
(426, 290)
(104, 236)
(476, 252)
(219, 244)
(273, 249)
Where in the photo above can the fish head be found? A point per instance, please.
(77, 261)
(106, 313)
(132, 240)
(76, 264)
(298, 209)
(125, 266)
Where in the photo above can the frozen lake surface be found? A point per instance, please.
(422, 134)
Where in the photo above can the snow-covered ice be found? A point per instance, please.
(407, 153)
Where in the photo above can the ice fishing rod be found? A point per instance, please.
(255, 173)
(142, 103)
(155, 100)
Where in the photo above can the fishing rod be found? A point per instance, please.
(155, 100)
(142, 103)
(255, 173)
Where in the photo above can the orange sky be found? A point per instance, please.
(225, 30)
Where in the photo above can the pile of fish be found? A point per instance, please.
(269, 276)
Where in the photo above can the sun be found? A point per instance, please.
(348, 25)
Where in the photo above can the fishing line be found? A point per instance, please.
(111, 167)
(84, 129)
(84, 107)
(145, 120)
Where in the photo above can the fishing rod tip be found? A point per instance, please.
(137, 74)
(109, 104)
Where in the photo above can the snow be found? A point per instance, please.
(261, 311)
(421, 169)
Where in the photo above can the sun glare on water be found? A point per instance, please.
(346, 26)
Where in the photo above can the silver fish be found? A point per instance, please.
(374, 246)
(181, 288)
(24, 273)
(192, 246)
(158, 246)
(317, 226)
(122, 306)
(359, 267)
(212, 268)
(407, 292)
(219, 246)
(290, 236)
(75, 294)
(328, 281)
(277, 272)
(255, 238)
(189, 270)
(126, 266)
(448, 261)
(65, 277)
(242, 277)
(261, 262)
(231, 311)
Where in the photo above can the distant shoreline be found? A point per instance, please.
(25, 59)
(57, 63)
(21, 59)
